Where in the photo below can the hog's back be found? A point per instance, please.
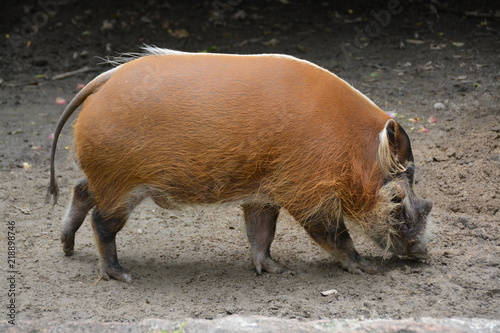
(208, 128)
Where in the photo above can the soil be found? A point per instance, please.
(437, 67)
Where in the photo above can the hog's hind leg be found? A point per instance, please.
(81, 203)
(260, 222)
(334, 237)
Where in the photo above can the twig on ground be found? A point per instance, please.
(72, 73)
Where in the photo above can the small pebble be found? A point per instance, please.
(329, 292)
(439, 106)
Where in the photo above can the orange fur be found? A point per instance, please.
(213, 128)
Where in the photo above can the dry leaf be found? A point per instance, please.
(61, 101)
(437, 47)
(178, 33)
(107, 25)
(415, 120)
(25, 210)
(271, 42)
(415, 41)
(427, 66)
(240, 14)
(301, 48)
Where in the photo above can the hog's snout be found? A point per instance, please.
(418, 251)
(414, 242)
(423, 208)
(409, 237)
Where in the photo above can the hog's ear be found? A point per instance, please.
(394, 151)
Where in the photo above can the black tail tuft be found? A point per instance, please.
(52, 192)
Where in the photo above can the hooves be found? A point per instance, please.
(361, 266)
(118, 273)
(68, 243)
(269, 265)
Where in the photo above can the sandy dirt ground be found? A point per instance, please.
(437, 67)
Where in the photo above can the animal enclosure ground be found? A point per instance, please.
(437, 68)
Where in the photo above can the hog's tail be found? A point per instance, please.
(92, 87)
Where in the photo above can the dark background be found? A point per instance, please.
(60, 35)
(433, 60)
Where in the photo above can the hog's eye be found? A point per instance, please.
(397, 199)
(404, 227)
(399, 196)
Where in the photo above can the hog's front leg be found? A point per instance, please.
(334, 237)
(260, 221)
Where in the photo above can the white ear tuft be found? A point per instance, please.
(388, 149)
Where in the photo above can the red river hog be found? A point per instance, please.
(265, 131)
